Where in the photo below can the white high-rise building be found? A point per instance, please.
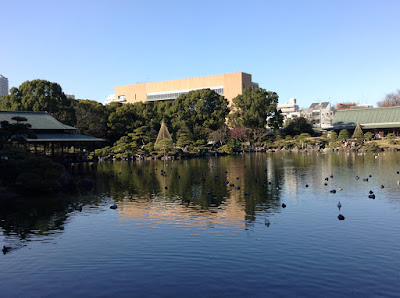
(3, 85)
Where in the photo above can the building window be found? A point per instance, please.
(171, 95)
(121, 98)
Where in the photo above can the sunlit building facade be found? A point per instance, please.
(229, 85)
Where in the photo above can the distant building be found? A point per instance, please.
(70, 96)
(229, 85)
(352, 106)
(289, 107)
(319, 115)
(344, 106)
(3, 85)
(289, 110)
(111, 99)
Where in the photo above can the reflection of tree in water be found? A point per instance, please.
(263, 181)
(197, 182)
(33, 216)
(192, 181)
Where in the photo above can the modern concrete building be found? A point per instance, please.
(290, 110)
(229, 85)
(111, 99)
(289, 107)
(3, 85)
(320, 115)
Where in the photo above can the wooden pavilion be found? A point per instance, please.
(376, 120)
(51, 136)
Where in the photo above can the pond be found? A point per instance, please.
(213, 227)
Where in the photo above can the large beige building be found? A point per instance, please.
(229, 85)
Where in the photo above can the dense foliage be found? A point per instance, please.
(298, 126)
(256, 109)
(193, 119)
(40, 95)
(28, 173)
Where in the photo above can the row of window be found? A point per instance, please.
(175, 94)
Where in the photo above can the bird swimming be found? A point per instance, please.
(113, 207)
(339, 205)
(5, 249)
(340, 217)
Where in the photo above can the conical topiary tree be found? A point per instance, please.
(164, 139)
(358, 133)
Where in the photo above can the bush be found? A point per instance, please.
(343, 135)
(333, 137)
(368, 136)
(29, 181)
(149, 147)
(372, 146)
(390, 136)
(226, 149)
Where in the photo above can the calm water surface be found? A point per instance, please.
(189, 233)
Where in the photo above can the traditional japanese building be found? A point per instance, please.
(377, 120)
(50, 135)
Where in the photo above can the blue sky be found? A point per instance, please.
(338, 51)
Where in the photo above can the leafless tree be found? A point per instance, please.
(390, 100)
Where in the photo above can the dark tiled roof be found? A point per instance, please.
(388, 117)
(38, 120)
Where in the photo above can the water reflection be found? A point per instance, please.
(231, 192)
(172, 232)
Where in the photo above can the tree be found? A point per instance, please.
(125, 119)
(333, 137)
(238, 133)
(141, 135)
(253, 109)
(201, 111)
(91, 118)
(40, 95)
(343, 134)
(368, 135)
(219, 135)
(15, 131)
(358, 135)
(298, 126)
(184, 137)
(390, 100)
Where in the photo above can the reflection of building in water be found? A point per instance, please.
(226, 215)
(236, 208)
(290, 180)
